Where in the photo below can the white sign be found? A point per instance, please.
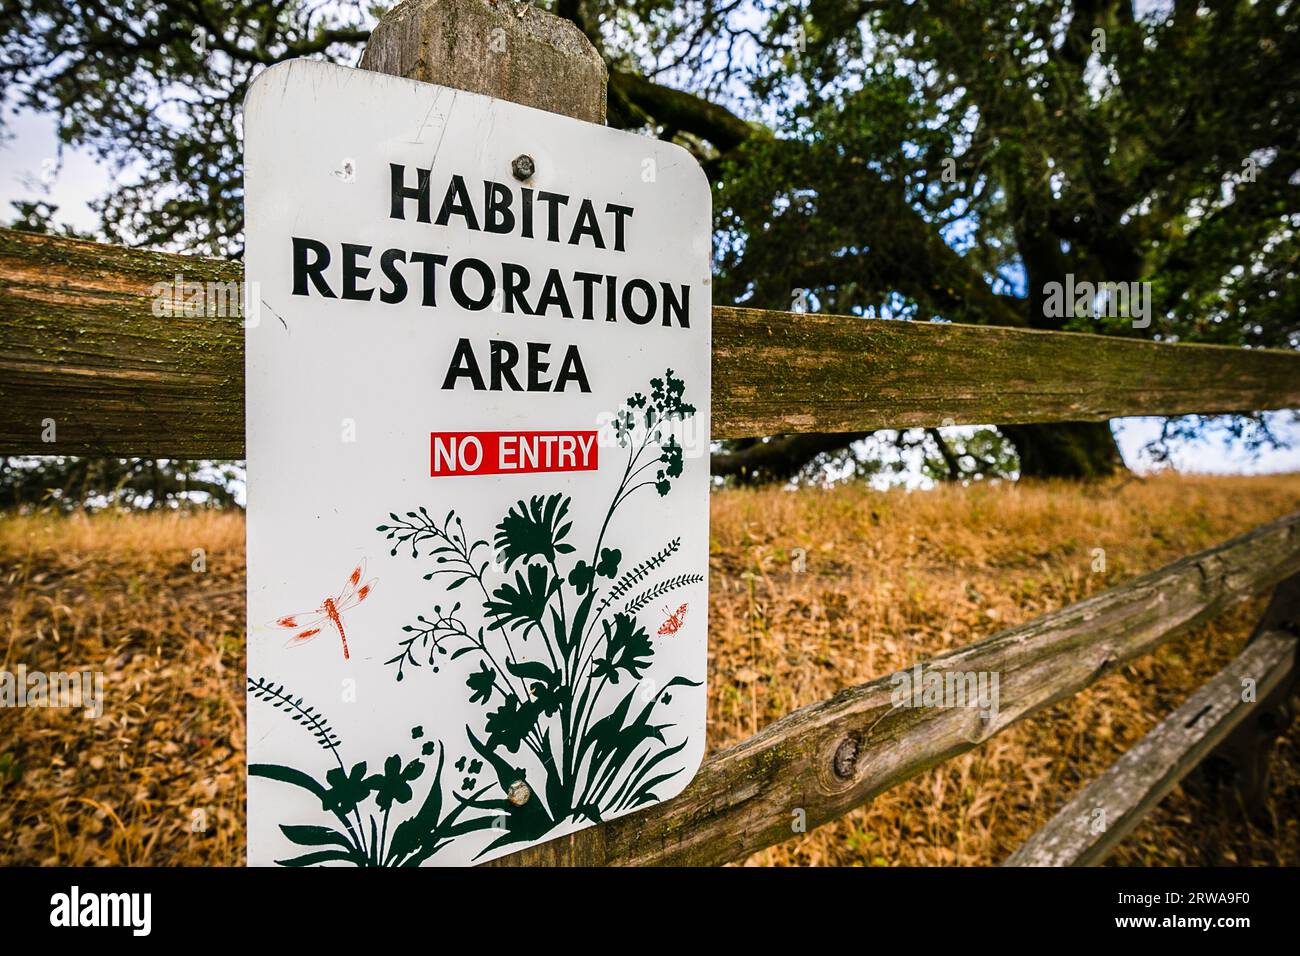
(478, 434)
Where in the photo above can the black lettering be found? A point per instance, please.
(430, 262)
(402, 192)
(536, 366)
(497, 216)
(588, 279)
(352, 272)
(554, 201)
(621, 214)
(504, 357)
(387, 262)
(553, 294)
(673, 306)
(571, 368)
(456, 203)
(463, 365)
(640, 318)
(586, 225)
(611, 312)
(526, 217)
(458, 284)
(514, 282)
(304, 270)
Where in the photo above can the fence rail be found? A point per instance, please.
(80, 344)
(1092, 823)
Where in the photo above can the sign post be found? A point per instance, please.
(478, 423)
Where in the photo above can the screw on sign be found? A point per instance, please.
(523, 167)
(519, 793)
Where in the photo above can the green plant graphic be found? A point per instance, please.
(362, 837)
(557, 641)
(560, 657)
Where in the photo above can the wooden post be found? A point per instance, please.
(512, 51)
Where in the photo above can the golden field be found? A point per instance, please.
(888, 578)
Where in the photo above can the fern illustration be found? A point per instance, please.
(659, 590)
(638, 574)
(308, 716)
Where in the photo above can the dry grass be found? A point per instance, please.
(118, 594)
(889, 578)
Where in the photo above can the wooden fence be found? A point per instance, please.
(80, 344)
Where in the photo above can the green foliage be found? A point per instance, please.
(524, 604)
(11, 771)
(67, 483)
(583, 574)
(627, 649)
(999, 147)
(347, 788)
(639, 573)
(361, 837)
(155, 90)
(481, 683)
(660, 590)
(534, 531)
(548, 700)
(394, 784)
(260, 688)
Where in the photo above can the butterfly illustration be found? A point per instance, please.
(309, 624)
(674, 622)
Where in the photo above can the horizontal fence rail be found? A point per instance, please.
(79, 344)
(1091, 825)
(830, 757)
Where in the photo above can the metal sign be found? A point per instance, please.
(478, 422)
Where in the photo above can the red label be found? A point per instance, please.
(508, 453)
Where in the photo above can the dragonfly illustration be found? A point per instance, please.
(309, 624)
(674, 622)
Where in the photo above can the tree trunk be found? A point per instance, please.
(751, 461)
(1075, 450)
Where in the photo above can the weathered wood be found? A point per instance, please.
(1235, 777)
(778, 372)
(79, 343)
(1091, 825)
(829, 757)
(512, 51)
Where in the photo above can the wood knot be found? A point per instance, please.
(846, 758)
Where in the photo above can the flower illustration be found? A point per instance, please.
(394, 785)
(346, 789)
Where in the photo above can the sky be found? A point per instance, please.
(28, 171)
